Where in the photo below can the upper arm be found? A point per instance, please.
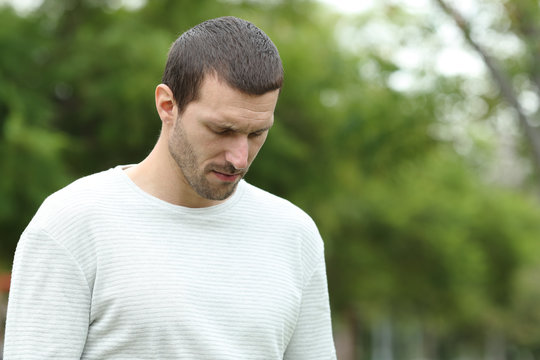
(49, 302)
(312, 338)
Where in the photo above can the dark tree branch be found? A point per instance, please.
(525, 25)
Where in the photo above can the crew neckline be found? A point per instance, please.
(231, 201)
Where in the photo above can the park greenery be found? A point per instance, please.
(421, 237)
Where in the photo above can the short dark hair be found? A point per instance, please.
(235, 50)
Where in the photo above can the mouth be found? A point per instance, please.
(226, 177)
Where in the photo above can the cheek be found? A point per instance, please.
(255, 146)
(213, 146)
(206, 146)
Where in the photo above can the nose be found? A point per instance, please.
(238, 152)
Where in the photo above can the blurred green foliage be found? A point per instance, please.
(410, 230)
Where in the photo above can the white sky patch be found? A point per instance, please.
(410, 57)
(468, 8)
(401, 80)
(414, 6)
(27, 6)
(22, 6)
(350, 6)
(128, 4)
(529, 102)
(449, 33)
(456, 61)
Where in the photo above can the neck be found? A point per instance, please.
(159, 175)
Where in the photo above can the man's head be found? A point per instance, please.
(216, 102)
(239, 53)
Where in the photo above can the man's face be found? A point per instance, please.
(216, 138)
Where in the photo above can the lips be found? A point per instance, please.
(226, 177)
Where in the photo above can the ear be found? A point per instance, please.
(166, 105)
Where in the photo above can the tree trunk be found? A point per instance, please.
(495, 347)
(345, 338)
(382, 348)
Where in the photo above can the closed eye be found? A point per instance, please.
(257, 133)
(222, 131)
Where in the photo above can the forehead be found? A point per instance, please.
(219, 102)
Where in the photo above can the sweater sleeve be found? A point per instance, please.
(49, 302)
(312, 338)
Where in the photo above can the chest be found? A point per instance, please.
(195, 291)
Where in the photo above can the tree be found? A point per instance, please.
(522, 17)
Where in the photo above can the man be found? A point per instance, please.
(177, 257)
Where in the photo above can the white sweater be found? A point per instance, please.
(106, 271)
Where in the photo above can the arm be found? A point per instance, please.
(312, 338)
(49, 302)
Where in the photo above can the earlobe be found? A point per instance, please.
(165, 104)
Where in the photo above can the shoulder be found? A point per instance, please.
(65, 224)
(267, 204)
(281, 215)
(83, 196)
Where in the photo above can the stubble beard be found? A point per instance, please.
(184, 155)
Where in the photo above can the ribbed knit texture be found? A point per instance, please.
(106, 271)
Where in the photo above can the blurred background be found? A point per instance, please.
(407, 129)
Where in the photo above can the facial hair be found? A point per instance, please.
(183, 153)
